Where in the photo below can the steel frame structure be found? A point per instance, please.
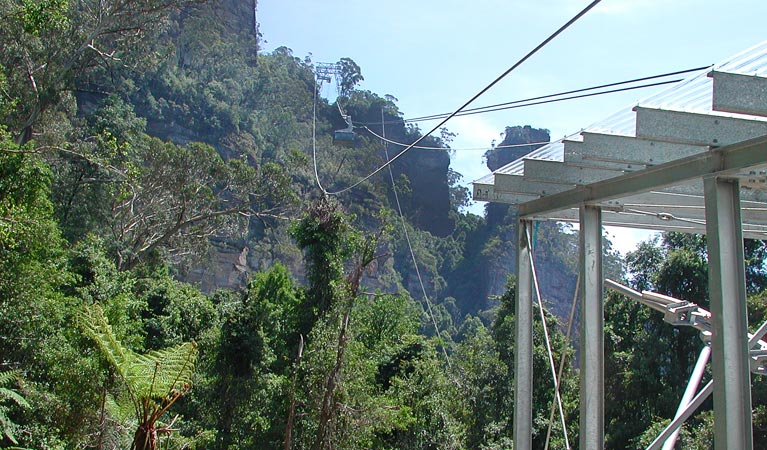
(693, 159)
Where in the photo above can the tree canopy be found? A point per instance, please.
(171, 275)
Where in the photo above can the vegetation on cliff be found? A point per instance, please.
(171, 276)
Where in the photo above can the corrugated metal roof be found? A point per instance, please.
(678, 122)
(554, 151)
(694, 94)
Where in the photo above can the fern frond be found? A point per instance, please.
(9, 394)
(8, 376)
(7, 427)
(159, 373)
(153, 381)
(95, 324)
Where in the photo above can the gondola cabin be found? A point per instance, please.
(343, 137)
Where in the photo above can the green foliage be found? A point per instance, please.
(9, 395)
(258, 341)
(175, 312)
(543, 392)
(24, 206)
(147, 377)
(35, 315)
(100, 282)
(153, 381)
(226, 161)
(43, 16)
(484, 398)
(425, 398)
(47, 45)
(326, 237)
(648, 361)
(351, 75)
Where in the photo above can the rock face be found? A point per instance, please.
(238, 17)
(427, 172)
(226, 267)
(514, 138)
(471, 267)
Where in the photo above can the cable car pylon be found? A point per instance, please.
(325, 72)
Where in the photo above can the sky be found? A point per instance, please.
(434, 55)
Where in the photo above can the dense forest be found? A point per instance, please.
(172, 276)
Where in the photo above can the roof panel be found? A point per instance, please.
(686, 119)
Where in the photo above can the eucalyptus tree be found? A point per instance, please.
(48, 45)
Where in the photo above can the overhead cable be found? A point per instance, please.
(575, 91)
(314, 139)
(410, 249)
(420, 147)
(472, 99)
(554, 100)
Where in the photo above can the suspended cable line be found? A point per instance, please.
(420, 147)
(575, 91)
(314, 139)
(543, 102)
(410, 246)
(557, 394)
(472, 99)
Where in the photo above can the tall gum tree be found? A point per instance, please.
(47, 45)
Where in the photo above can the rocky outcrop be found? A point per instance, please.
(514, 138)
(226, 267)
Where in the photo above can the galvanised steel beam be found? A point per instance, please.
(523, 185)
(695, 128)
(628, 149)
(727, 290)
(689, 393)
(542, 170)
(723, 161)
(744, 94)
(592, 383)
(488, 192)
(616, 218)
(523, 357)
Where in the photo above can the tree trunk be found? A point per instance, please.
(328, 408)
(292, 410)
(145, 438)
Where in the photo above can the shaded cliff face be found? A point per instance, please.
(215, 89)
(510, 149)
(425, 199)
(430, 198)
(556, 244)
(240, 16)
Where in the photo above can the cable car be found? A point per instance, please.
(345, 136)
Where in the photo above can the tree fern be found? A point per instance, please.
(153, 381)
(6, 424)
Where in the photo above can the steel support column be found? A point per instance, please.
(592, 331)
(523, 356)
(727, 290)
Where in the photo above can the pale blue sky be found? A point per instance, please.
(434, 55)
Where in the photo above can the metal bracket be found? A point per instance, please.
(758, 361)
